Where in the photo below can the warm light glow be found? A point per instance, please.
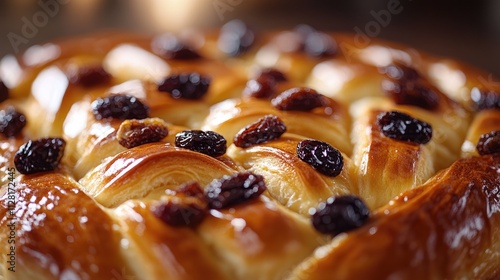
(174, 15)
(83, 11)
(49, 89)
(380, 56)
(40, 54)
(127, 62)
(330, 77)
(448, 79)
(76, 121)
(10, 71)
(132, 87)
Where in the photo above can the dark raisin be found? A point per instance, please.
(321, 156)
(315, 43)
(485, 99)
(298, 99)
(205, 142)
(273, 74)
(489, 143)
(399, 71)
(265, 129)
(171, 47)
(89, 76)
(119, 106)
(262, 87)
(318, 44)
(304, 30)
(403, 127)
(180, 214)
(11, 121)
(235, 38)
(186, 85)
(410, 93)
(4, 92)
(192, 189)
(231, 190)
(407, 87)
(339, 214)
(39, 155)
(133, 133)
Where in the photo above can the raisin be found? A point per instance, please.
(231, 190)
(205, 142)
(186, 85)
(89, 76)
(119, 106)
(339, 214)
(321, 156)
(273, 74)
(192, 189)
(235, 38)
(315, 43)
(178, 213)
(403, 127)
(4, 92)
(489, 143)
(11, 121)
(262, 87)
(484, 99)
(133, 133)
(304, 30)
(406, 87)
(265, 129)
(409, 93)
(39, 155)
(298, 99)
(399, 71)
(318, 44)
(171, 47)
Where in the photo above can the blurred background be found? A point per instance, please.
(465, 29)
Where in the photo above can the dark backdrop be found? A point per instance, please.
(467, 30)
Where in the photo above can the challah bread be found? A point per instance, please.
(154, 250)
(402, 165)
(260, 239)
(331, 122)
(291, 181)
(147, 171)
(56, 229)
(386, 167)
(240, 242)
(233, 154)
(8, 150)
(484, 122)
(445, 229)
(85, 135)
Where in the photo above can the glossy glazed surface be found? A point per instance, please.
(434, 215)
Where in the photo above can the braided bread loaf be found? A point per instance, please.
(235, 155)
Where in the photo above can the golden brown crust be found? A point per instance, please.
(484, 122)
(291, 181)
(443, 229)
(147, 171)
(8, 149)
(328, 123)
(386, 167)
(259, 239)
(156, 250)
(90, 141)
(56, 226)
(447, 228)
